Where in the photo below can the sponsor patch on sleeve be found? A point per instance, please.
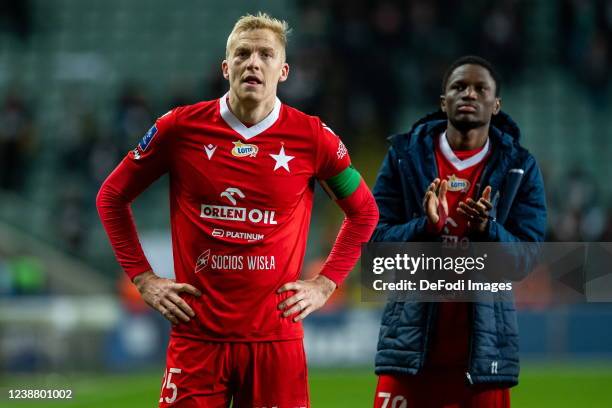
(341, 151)
(146, 139)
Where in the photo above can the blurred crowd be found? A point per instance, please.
(381, 55)
(586, 45)
(18, 141)
(15, 18)
(380, 58)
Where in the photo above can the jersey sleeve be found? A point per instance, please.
(153, 150)
(344, 184)
(361, 218)
(332, 156)
(149, 160)
(141, 167)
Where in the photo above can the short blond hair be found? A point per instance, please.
(248, 22)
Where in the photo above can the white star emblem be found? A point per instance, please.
(282, 160)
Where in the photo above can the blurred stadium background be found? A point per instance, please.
(81, 81)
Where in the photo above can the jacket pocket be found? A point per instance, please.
(509, 191)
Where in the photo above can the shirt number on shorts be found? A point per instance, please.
(167, 384)
(397, 402)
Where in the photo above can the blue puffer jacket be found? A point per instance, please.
(519, 214)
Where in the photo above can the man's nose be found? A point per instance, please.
(469, 93)
(253, 61)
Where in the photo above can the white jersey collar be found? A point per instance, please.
(457, 162)
(240, 128)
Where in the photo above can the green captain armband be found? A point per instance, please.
(343, 184)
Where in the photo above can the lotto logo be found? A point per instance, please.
(244, 150)
(458, 184)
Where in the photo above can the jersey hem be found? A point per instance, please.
(213, 339)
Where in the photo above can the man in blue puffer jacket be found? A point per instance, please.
(458, 175)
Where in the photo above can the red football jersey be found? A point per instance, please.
(462, 169)
(240, 203)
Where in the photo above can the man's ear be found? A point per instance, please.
(497, 107)
(225, 69)
(443, 103)
(284, 72)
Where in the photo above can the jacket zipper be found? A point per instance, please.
(430, 317)
(402, 181)
(486, 173)
(468, 376)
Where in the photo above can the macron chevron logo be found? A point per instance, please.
(210, 150)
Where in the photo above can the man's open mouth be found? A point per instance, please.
(252, 80)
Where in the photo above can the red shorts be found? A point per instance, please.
(436, 391)
(205, 374)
